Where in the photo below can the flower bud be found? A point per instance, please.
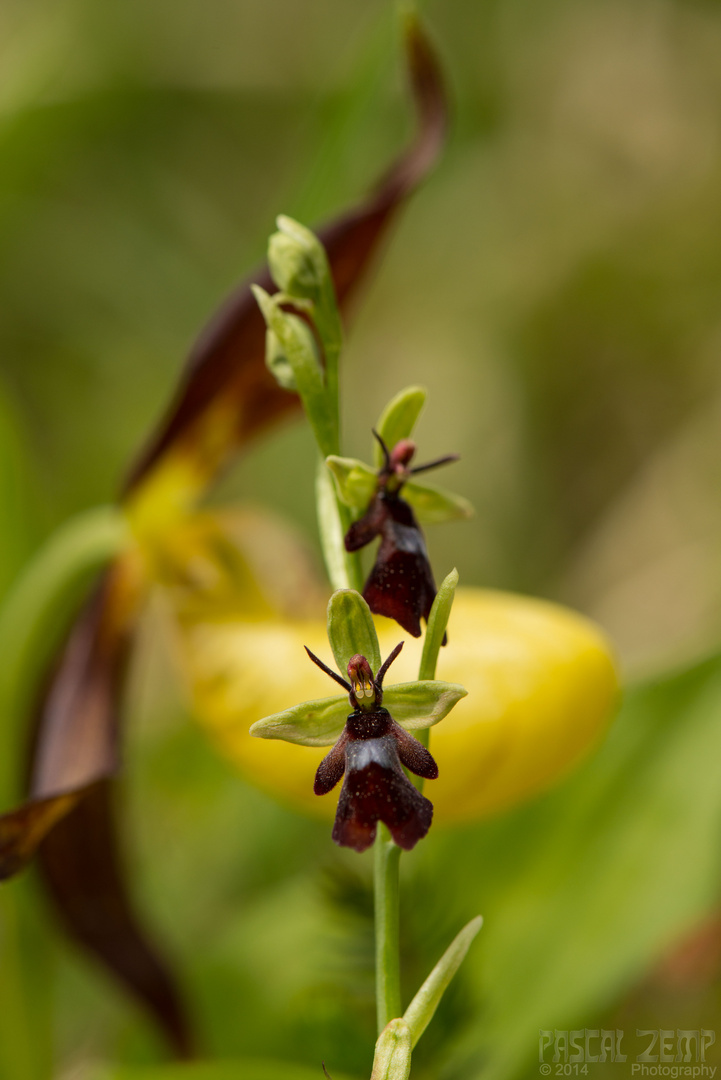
(297, 260)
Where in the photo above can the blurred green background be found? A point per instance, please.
(555, 285)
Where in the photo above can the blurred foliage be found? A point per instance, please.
(555, 286)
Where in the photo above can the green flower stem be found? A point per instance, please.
(388, 975)
(387, 854)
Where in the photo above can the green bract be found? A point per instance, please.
(413, 705)
(420, 1012)
(437, 623)
(351, 630)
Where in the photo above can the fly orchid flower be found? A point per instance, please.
(400, 585)
(390, 502)
(372, 742)
(226, 397)
(370, 753)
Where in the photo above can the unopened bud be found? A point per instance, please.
(297, 260)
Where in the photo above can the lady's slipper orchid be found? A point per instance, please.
(226, 396)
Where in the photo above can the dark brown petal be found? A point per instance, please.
(413, 754)
(400, 584)
(376, 789)
(331, 768)
(75, 751)
(84, 874)
(75, 742)
(366, 528)
(225, 380)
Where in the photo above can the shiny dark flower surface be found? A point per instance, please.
(401, 584)
(370, 753)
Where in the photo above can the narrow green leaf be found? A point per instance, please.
(351, 630)
(416, 705)
(420, 1012)
(392, 1060)
(398, 419)
(437, 623)
(433, 505)
(355, 481)
(312, 723)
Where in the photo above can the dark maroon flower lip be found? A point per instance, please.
(369, 754)
(401, 585)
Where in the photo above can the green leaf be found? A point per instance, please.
(312, 723)
(392, 1059)
(434, 505)
(398, 419)
(355, 481)
(351, 630)
(437, 623)
(420, 1012)
(416, 705)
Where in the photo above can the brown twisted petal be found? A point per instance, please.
(226, 386)
(226, 396)
(69, 819)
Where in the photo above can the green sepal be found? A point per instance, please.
(398, 419)
(433, 506)
(413, 705)
(351, 630)
(312, 723)
(437, 623)
(355, 481)
(392, 1058)
(420, 1012)
(417, 705)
